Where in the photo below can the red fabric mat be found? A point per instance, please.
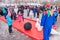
(33, 33)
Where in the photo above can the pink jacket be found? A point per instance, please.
(20, 16)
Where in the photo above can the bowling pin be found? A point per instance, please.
(39, 28)
(37, 24)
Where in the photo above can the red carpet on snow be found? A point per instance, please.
(33, 33)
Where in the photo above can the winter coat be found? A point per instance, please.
(20, 16)
(9, 20)
(47, 22)
(34, 10)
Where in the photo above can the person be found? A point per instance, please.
(1, 12)
(47, 21)
(21, 9)
(16, 9)
(9, 21)
(41, 8)
(20, 16)
(59, 11)
(28, 10)
(56, 14)
(38, 11)
(4, 11)
(13, 15)
(31, 14)
(34, 11)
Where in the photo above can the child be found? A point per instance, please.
(20, 16)
(9, 21)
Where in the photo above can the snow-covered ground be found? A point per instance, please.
(16, 35)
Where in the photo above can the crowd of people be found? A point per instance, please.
(49, 16)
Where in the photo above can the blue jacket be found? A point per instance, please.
(46, 21)
(34, 10)
(9, 20)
